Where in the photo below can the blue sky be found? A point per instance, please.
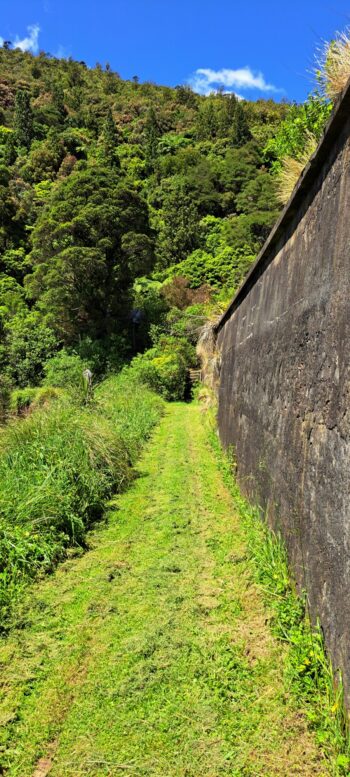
(256, 49)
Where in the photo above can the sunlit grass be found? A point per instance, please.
(152, 654)
(58, 465)
(292, 169)
(333, 65)
(308, 670)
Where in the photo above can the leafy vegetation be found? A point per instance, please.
(105, 182)
(295, 141)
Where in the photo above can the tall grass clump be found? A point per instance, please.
(209, 356)
(292, 168)
(25, 399)
(131, 407)
(58, 466)
(333, 65)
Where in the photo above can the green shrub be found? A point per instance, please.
(5, 396)
(33, 398)
(29, 343)
(164, 368)
(64, 370)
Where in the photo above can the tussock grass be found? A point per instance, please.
(292, 169)
(25, 399)
(131, 407)
(209, 356)
(333, 65)
(58, 466)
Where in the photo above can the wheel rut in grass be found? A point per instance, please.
(152, 653)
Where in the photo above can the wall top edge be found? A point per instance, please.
(340, 113)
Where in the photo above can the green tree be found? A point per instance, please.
(88, 245)
(207, 119)
(179, 231)
(58, 101)
(228, 107)
(23, 121)
(152, 134)
(109, 141)
(239, 132)
(258, 195)
(10, 152)
(8, 226)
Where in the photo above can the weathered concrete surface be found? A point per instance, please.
(284, 400)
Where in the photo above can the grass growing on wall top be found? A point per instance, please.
(333, 67)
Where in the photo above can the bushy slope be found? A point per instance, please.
(104, 181)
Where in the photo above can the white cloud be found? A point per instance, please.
(31, 42)
(205, 80)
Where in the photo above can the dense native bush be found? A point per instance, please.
(104, 181)
(58, 466)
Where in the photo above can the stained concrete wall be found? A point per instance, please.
(284, 399)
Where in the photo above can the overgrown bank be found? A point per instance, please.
(58, 466)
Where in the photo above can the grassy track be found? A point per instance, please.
(152, 654)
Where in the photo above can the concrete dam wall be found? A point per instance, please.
(284, 397)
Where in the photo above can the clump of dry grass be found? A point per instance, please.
(209, 356)
(333, 65)
(293, 167)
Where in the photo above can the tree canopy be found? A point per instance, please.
(104, 182)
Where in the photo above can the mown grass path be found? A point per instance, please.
(152, 654)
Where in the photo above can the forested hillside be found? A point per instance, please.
(121, 205)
